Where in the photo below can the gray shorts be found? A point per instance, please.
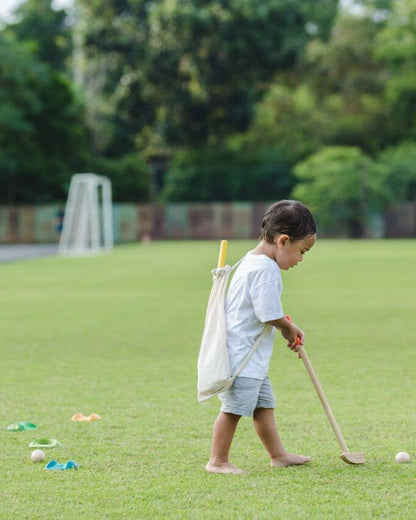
(246, 394)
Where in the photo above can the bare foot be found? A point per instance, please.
(289, 459)
(225, 467)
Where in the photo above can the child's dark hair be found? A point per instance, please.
(287, 217)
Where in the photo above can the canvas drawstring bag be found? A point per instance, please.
(214, 371)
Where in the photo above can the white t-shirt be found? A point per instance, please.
(253, 298)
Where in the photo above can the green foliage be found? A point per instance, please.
(399, 162)
(42, 138)
(129, 176)
(396, 47)
(348, 84)
(112, 42)
(46, 29)
(340, 184)
(226, 174)
(290, 119)
(220, 54)
(376, 9)
(335, 96)
(86, 335)
(192, 69)
(243, 89)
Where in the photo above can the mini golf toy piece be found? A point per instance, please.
(45, 443)
(82, 418)
(402, 456)
(19, 427)
(37, 456)
(53, 465)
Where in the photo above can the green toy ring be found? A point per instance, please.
(45, 443)
(18, 427)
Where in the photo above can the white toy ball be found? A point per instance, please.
(402, 456)
(37, 456)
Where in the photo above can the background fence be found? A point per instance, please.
(132, 222)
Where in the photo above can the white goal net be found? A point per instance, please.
(88, 220)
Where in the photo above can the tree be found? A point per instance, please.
(340, 184)
(349, 84)
(288, 119)
(46, 29)
(396, 47)
(111, 41)
(333, 97)
(377, 9)
(223, 174)
(215, 58)
(399, 162)
(191, 70)
(42, 136)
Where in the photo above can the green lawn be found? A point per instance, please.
(119, 335)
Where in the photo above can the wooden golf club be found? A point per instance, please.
(346, 456)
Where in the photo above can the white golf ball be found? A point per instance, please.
(37, 456)
(402, 456)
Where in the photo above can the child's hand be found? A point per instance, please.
(295, 342)
(291, 332)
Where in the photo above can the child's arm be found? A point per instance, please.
(289, 331)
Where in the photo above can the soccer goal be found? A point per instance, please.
(88, 220)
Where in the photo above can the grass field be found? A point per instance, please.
(119, 335)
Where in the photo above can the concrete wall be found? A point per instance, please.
(400, 220)
(132, 222)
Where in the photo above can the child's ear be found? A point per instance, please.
(281, 240)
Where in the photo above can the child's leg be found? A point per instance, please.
(265, 425)
(223, 434)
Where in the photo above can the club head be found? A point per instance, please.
(353, 458)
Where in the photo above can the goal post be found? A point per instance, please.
(88, 220)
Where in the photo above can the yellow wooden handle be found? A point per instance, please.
(223, 253)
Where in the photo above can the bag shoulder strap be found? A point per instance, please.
(252, 350)
(234, 267)
(224, 273)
